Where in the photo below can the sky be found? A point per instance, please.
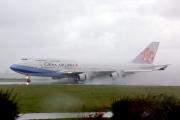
(88, 30)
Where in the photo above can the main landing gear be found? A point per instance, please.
(28, 80)
(78, 81)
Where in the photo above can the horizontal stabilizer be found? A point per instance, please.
(148, 69)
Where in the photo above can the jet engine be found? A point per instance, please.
(114, 75)
(83, 77)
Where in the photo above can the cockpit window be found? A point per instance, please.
(24, 59)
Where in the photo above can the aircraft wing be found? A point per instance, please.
(134, 71)
(155, 67)
(103, 73)
(92, 72)
(146, 69)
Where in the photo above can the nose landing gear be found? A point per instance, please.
(28, 79)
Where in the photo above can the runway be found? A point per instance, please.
(60, 82)
(59, 115)
(34, 82)
(22, 83)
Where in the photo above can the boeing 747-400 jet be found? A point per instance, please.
(81, 71)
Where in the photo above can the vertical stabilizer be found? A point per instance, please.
(147, 56)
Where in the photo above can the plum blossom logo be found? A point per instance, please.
(76, 65)
(147, 55)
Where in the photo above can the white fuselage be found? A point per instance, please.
(65, 68)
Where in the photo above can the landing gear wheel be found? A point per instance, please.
(76, 80)
(80, 81)
(28, 80)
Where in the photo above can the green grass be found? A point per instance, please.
(71, 98)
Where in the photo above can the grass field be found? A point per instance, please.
(75, 98)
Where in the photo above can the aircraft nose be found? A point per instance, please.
(13, 67)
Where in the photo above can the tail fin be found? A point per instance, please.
(148, 54)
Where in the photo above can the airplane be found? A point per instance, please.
(82, 71)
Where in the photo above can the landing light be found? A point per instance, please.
(69, 72)
(27, 83)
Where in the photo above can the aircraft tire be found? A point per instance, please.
(28, 80)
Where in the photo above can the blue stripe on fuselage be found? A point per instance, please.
(27, 70)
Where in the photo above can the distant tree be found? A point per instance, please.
(9, 106)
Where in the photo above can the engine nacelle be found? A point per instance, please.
(114, 75)
(83, 77)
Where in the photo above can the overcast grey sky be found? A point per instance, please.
(88, 30)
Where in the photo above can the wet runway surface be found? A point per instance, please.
(59, 115)
(60, 81)
(35, 82)
(12, 83)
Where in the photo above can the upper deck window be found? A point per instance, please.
(24, 59)
(40, 60)
(55, 60)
